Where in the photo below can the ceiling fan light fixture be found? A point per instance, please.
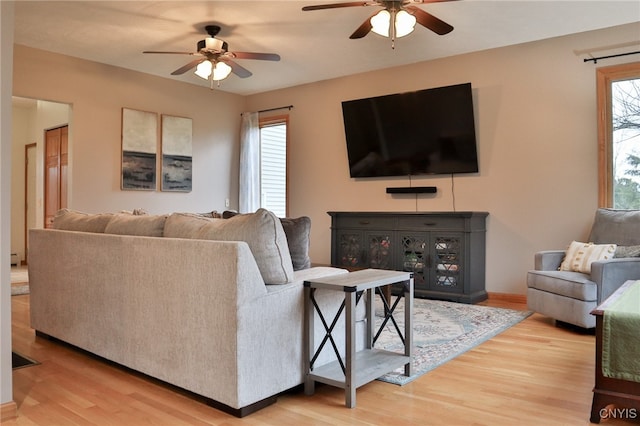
(213, 44)
(380, 23)
(221, 71)
(203, 70)
(405, 23)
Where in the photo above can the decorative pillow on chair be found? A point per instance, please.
(264, 234)
(579, 256)
(627, 251)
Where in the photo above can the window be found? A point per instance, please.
(619, 136)
(273, 164)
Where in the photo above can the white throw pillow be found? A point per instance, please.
(579, 256)
(264, 234)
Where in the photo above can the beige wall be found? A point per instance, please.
(535, 107)
(535, 118)
(96, 94)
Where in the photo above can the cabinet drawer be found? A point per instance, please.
(426, 223)
(364, 222)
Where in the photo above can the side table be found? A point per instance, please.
(623, 395)
(359, 367)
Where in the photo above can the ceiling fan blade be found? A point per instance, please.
(237, 69)
(363, 29)
(253, 55)
(171, 53)
(187, 67)
(336, 5)
(429, 21)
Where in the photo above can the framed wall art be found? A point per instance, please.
(176, 153)
(139, 149)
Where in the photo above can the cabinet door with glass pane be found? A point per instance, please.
(364, 249)
(447, 253)
(414, 256)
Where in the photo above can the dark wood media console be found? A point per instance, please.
(444, 250)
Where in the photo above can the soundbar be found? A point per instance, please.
(412, 190)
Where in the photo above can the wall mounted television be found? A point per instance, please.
(430, 131)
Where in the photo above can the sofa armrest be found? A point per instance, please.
(609, 275)
(548, 260)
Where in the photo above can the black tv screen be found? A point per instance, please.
(429, 131)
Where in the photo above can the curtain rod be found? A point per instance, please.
(277, 108)
(273, 109)
(595, 60)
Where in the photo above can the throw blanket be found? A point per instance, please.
(621, 336)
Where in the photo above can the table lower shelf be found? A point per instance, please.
(369, 364)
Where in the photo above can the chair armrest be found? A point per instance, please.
(609, 275)
(548, 260)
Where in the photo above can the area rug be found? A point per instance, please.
(19, 289)
(442, 331)
(19, 282)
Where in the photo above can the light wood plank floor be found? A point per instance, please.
(535, 373)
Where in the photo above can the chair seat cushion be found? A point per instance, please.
(565, 283)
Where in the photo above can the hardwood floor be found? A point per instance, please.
(534, 373)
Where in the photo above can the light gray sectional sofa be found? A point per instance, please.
(213, 306)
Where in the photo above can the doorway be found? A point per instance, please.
(30, 152)
(55, 172)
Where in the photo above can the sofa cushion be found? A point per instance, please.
(574, 285)
(184, 225)
(579, 256)
(139, 225)
(297, 231)
(71, 220)
(264, 234)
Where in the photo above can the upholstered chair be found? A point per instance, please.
(568, 284)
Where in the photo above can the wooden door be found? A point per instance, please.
(29, 195)
(55, 172)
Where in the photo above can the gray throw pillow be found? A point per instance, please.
(263, 233)
(627, 251)
(297, 231)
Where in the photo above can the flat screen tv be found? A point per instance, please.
(429, 131)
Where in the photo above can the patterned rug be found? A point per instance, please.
(441, 332)
(19, 281)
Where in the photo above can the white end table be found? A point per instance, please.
(363, 366)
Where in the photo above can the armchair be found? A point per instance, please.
(570, 296)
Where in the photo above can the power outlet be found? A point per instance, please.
(226, 202)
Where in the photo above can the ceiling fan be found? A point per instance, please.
(402, 13)
(215, 61)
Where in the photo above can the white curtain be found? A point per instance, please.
(249, 196)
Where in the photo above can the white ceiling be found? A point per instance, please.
(313, 45)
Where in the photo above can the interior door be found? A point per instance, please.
(55, 172)
(29, 194)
